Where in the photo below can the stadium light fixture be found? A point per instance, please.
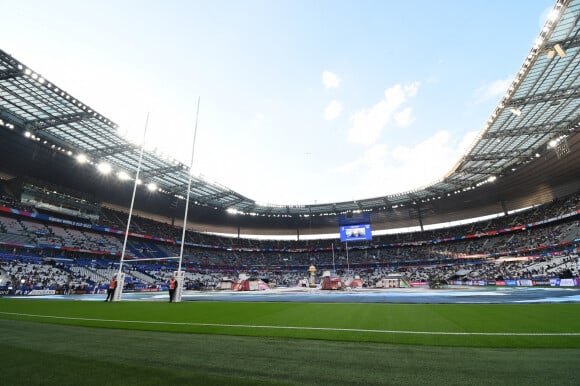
(515, 111)
(27, 134)
(553, 15)
(558, 48)
(152, 186)
(81, 158)
(123, 176)
(104, 168)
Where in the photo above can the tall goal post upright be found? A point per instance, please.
(179, 275)
(120, 276)
(347, 262)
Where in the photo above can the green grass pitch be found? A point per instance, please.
(145, 343)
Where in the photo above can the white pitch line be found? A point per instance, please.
(249, 326)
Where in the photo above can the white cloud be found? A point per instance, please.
(330, 79)
(404, 117)
(492, 90)
(333, 110)
(374, 155)
(368, 124)
(382, 170)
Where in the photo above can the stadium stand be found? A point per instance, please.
(537, 244)
(60, 229)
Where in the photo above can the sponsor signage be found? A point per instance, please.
(525, 283)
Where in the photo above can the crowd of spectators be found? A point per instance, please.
(545, 249)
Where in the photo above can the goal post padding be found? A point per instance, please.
(180, 279)
(119, 289)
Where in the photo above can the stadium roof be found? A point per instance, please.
(538, 114)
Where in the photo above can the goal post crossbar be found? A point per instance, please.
(151, 259)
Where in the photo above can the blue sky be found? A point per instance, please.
(302, 102)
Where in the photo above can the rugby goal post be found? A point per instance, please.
(120, 277)
(180, 279)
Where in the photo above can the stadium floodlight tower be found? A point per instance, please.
(179, 275)
(120, 275)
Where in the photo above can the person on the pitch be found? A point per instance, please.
(172, 288)
(111, 289)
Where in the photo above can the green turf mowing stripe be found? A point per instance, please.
(53, 354)
(305, 328)
(530, 325)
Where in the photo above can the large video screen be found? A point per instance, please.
(358, 232)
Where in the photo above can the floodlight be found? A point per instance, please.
(139, 181)
(123, 176)
(81, 158)
(551, 54)
(151, 186)
(515, 111)
(553, 143)
(553, 15)
(27, 134)
(104, 168)
(560, 50)
(491, 178)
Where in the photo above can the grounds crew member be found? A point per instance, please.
(172, 287)
(111, 289)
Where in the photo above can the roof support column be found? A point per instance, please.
(504, 207)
